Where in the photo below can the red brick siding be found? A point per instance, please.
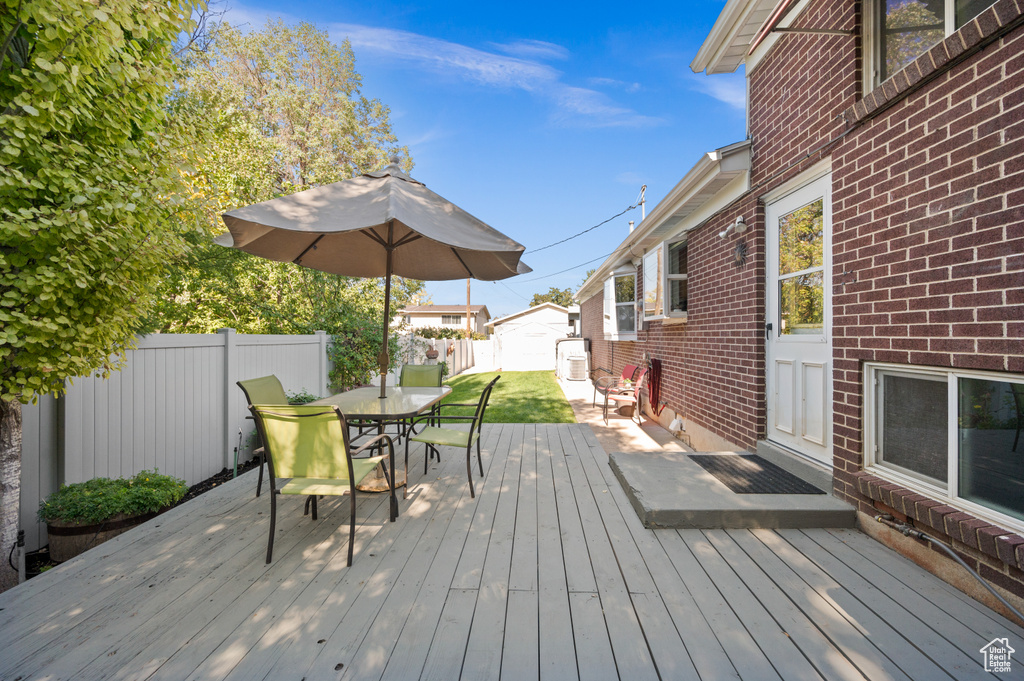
(713, 364)
(928, 220)
(928, 237)
(800, 89)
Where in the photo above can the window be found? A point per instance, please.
(654, 298)
(906, 29)
(949, 434)
(676, 278)
(620, 306)
(451, 320)
(802, 270)
(665, 273)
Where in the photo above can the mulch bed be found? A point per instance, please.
(37, 562)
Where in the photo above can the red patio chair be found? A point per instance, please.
(610, 384)
(631, 397)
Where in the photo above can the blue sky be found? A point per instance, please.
(541, 119)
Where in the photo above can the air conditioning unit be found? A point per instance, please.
(577, 369)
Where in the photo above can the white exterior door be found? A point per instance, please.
(798, 320)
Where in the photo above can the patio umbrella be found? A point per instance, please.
(375, 225)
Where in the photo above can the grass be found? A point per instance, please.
(519, 397)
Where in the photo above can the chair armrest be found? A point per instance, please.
(456, 404)
(369, 443)
(438, 417)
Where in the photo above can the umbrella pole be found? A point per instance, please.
(384, 358)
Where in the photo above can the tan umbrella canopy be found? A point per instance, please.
(375, 225)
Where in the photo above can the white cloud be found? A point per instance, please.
(730, 89)
(618, 84)
(419, 50)
(576, 105)
(533, 49)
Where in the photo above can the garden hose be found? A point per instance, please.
(909, 531)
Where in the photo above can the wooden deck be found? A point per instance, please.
(547, 574)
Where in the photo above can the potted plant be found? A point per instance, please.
(85, 514)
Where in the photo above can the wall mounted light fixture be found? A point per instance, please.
(739, 227)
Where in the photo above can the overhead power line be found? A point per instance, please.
(568, 269)
(639, 202)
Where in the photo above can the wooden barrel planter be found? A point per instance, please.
(67, 539)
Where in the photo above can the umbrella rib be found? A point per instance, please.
(469, 271)
(307, 249)
(376, 237)
(411, 236)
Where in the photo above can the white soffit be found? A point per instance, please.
(727, 44)
(699, 187)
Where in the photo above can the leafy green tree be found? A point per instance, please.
(88, 176)
(274, 112)
(554, 295)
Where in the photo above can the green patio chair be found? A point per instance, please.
(435, 436)
(310, 445)
(263, 390)
(419, 376)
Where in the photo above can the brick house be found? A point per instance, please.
(846, 286)
(445, 317)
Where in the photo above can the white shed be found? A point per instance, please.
(525, 341)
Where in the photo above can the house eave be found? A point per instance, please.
(699, 187)
(728, 42)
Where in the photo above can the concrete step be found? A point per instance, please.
(669, 490)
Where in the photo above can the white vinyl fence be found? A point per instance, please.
(173, 406)
(413, 350)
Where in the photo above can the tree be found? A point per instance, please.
(273, 112)
(554, 295)
(89, 176)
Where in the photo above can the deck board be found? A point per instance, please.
(546, 574)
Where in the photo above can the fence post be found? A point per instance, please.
(324, 368)
(230, 376)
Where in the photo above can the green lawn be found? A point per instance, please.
(519, 397)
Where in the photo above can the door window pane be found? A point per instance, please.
(991, 447)
(913, 425)
(802, 238)
(801, 304)
(909, 29)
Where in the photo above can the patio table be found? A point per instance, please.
(366, 404)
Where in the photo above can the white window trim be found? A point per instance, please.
(949, 494)
(611, 326)
(665, 315)
(659, 252)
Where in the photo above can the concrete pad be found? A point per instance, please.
(621, 434)
(669, 490)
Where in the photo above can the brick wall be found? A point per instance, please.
(713, 364)
(800, 89)
(928, 253)
(928, 214)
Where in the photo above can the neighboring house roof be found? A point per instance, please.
(728, 43)
(529, 310)
(695, 198)
(444, 309)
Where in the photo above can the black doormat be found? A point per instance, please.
(750, 474)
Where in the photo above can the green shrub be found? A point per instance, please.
(301, 397)
(96, 500)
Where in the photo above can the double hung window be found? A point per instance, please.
(906, 29)
(951, 435)
(665, 293)
(451, 320)
(620, 306)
